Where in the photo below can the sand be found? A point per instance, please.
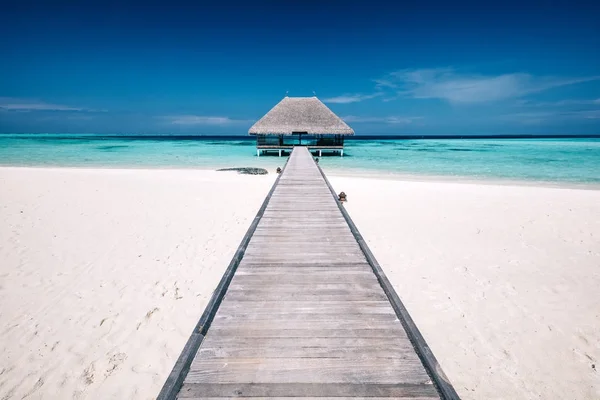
(104, 273)
(502, 281)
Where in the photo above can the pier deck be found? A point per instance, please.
(304, 312)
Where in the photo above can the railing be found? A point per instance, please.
(285, 141)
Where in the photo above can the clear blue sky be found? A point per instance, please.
(216, 67)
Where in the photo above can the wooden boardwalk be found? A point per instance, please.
(305, 313)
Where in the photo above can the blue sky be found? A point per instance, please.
(426, 68)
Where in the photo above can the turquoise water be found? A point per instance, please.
(543, 160)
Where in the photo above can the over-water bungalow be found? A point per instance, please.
(300, 121)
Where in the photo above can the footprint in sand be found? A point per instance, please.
(38, 384)
(149, 313)
(88, 374)
(147, 318)
(114, 362)
(177, 295)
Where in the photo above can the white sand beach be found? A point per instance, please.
(104, 273)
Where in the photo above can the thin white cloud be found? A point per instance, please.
(561, 103)
(351, 98)
(202, 120)
(446, 84)
(384, 83)
(590, 114)
(541, 117)
(385, 120)
(26, 105)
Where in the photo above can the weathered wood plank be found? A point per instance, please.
(310, 390)
(305, 279)
(311, 254)
(356, 354)
(241, 316)
(304, 333)
(275, 308)
(301, 240)
(306, 370)
(330, 266)
(317, 342)
(264, 295)
(302, 291)
(317, 287)
(312, 397)
(307, 269)
(295, 260)
(287, 255)
(295, 325)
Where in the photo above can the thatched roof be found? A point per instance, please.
(300, 114)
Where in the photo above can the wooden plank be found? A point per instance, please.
(298, 305)
(200, 389)
(310, 254)
(286, 254)
(307, 269)
(306, 370)
(265, 295)
(302, 308)
(342, 266)
(241, 316)
(358, 332)
(332, 244)
(356, 354)
(334, 259)
(295, 325)
(273, 240)
(364, 292)
(305, 279)
(293, 286)
(310, 390)
(391, 342)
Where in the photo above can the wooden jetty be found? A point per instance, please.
(305, 311)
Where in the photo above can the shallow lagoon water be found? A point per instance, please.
(542, 160)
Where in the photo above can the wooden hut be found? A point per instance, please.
(300, 121)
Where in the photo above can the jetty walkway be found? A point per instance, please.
(305, 311)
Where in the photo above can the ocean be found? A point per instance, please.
(553, 161)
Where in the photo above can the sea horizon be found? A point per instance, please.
(358, 136)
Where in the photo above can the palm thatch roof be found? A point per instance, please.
(300, 114)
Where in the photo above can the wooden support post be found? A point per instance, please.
(257, 153)
(279, 152)
(342, 153)
(320, 155)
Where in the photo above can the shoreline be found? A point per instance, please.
(353, 174)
